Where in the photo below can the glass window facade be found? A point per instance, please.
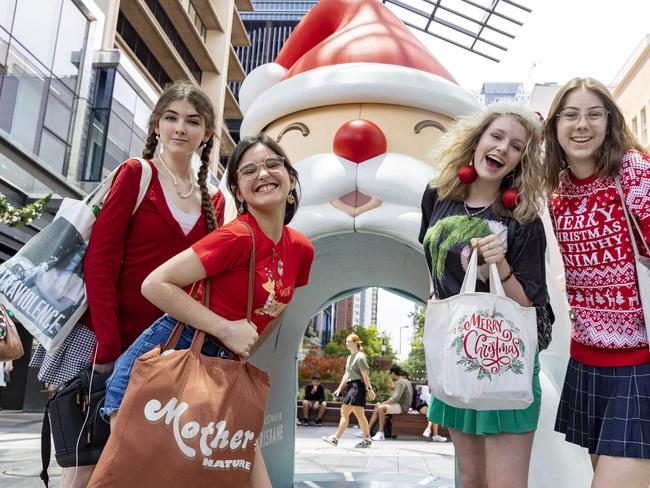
(40, 58)
(117, 124)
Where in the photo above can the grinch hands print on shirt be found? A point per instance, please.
(453, 235)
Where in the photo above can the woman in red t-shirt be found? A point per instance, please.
(591, 156)
(263, 182)
(125, 247)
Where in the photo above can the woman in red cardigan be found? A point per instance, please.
(177, 211)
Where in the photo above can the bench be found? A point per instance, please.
(410, 424)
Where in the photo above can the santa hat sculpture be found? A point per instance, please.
(350, 51)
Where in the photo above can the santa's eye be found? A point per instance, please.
(299, 126)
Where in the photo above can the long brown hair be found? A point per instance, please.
(187, 92)
(457, 150)
(618, 138)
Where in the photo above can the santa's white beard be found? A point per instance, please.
(393, 181)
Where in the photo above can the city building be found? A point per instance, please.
(78, 81)
(541, 97)
(268, 27)
(500, 91)
(368, 306)
(632, 91)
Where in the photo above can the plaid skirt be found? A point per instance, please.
(606, 409)
(68, 360)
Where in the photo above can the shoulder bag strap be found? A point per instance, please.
(630, 217)
(199, 335)
(145, 181)
(46, 445)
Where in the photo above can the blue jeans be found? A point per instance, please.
(155, 335)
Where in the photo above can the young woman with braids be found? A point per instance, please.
(177, 211)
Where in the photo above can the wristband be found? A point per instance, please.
(508, 276)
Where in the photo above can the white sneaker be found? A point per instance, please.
(427, 432)
(359, 434)
(439, 438)
(331, 439)
(379, 436)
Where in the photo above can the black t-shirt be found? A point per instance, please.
(446, 231)
(319, 396)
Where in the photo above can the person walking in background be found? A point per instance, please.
(357, 379)
(314, 399)
(423, 397)
(264, 183)
(488, 196)
(399, 401)
(124, 247)
(591, 155)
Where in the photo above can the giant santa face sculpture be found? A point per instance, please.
(358, 104)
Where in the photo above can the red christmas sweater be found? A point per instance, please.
(608, 324)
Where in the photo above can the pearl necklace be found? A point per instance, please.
(175, 181)
(470, 214)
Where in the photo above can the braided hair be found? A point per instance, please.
(186, 91)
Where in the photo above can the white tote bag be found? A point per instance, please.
(642, 263)
(480, 347)
(42, 284)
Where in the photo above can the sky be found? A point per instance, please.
(560, 39)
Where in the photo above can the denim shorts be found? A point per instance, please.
(155, 335)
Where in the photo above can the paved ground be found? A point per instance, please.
(388, 464)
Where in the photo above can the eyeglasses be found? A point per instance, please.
(249, 169)
(592, 116)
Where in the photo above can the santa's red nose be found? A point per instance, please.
(359, 140)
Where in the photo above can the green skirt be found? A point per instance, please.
(481, 422)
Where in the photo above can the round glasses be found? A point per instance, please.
(592, 116)
(250, 170)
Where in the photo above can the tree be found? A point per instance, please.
(371, 340)
(415, 364)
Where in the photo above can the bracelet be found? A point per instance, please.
(508, 276)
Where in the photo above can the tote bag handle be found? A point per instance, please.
(469, 282)
(199, 335)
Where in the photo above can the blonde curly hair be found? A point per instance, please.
(456, 149)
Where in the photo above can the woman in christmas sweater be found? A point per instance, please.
(473, 202)
(263, 182)
(605, 404)
(177, 209)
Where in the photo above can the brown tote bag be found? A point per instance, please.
(187, 420)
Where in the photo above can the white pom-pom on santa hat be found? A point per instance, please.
(260, 79)
(350, 51)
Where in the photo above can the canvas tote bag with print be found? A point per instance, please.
(480, 347)
(642, 263)
(187, 420)
(42, 284)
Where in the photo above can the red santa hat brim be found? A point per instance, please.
(265, 96)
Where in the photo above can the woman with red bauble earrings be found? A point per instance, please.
(489, 195)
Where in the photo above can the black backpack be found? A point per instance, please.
(388, 427)
(73, 415)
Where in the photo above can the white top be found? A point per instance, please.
(187, 221)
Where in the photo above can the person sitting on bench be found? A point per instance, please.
(314, 399)
(399, 402)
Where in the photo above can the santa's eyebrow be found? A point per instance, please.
(428, 123)
(304, 130)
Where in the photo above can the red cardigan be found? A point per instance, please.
(123, 250)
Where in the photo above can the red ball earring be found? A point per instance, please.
(510, 197)
(467, 174)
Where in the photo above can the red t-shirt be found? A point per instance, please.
(279, 269)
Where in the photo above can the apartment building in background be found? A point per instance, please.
(78, 81)
(632, 91)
